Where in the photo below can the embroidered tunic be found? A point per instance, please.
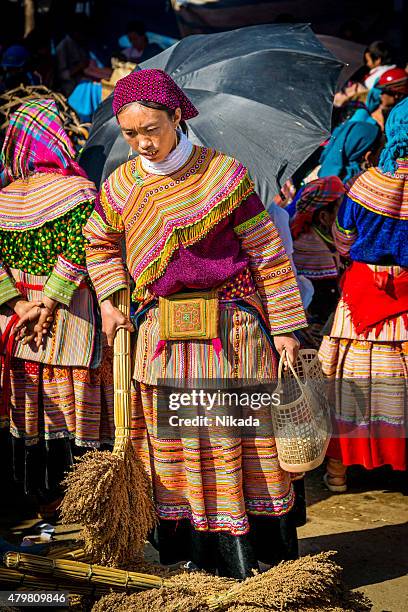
(372, 223)
(42, 252)
(41, 222)
(197, 227)
(313, 258)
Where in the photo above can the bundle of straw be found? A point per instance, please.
(75, 571)
(309, 584)
(109, 494)
(312, 582)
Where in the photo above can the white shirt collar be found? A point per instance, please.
(175, 160)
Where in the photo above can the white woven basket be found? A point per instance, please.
(301, 421)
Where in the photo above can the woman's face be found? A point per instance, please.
(150, 132)
(390, 98)
(326, 218)
(370, 62)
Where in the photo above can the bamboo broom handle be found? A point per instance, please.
(122, 376)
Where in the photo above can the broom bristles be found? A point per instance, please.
(110, 497)
(109, 494)
(309, 584)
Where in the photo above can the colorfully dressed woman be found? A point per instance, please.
(367, 351)
(54, 390)
(192, 223)
(314, 253)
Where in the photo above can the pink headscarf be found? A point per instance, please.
(152, 85)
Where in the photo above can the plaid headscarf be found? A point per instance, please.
(316, 195)
(36, 142)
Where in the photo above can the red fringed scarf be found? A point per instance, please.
(374, 298)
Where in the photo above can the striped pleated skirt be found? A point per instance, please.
(214, 482)
(51, 402)
(54, 414)
(370, 394)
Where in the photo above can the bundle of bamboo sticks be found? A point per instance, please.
(122, 377)
(73, 553)
(76, 571)
(48, 583)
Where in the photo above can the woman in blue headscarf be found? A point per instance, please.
(366, 353)
(372, 103)
(347, 149)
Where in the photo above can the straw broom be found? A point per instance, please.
(309, 584)
(109, 494)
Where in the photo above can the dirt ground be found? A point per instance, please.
(367, 526)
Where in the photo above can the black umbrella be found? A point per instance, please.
(348, 52)
(264, 94)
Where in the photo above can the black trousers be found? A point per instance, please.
(40, 468)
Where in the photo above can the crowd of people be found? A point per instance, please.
(72, 63)
(325, 268)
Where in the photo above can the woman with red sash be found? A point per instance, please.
(367, 351)
(52, 395)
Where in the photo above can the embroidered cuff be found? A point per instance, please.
(68, 271)
(107, 280)
(8, 290)
(64, 280)
(59, 289)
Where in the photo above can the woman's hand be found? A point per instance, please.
(45, 320)
(112, 320)
(42, 327)
(22, 306)
(35, 319)
(289, 344)
(28, 313)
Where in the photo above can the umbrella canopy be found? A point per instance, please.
(348, 52)
(264, 94)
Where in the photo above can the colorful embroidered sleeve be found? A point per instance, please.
(105, 233)
(344, 228)
(70, 269)
(270, 267)
(8, 290)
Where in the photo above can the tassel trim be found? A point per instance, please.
(161, 345)
(192, 233)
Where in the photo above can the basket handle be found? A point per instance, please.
(292, 369)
